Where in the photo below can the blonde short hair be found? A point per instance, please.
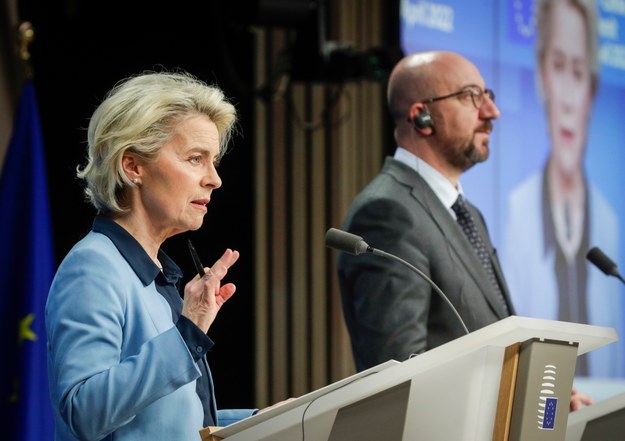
(140, 114)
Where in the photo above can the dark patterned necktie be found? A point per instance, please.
(466, 222)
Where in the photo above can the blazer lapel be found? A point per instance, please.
(426, 197)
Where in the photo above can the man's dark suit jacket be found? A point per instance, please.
(391, 312)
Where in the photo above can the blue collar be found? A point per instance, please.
(134, 253)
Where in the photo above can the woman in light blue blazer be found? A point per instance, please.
(557, 214)
(126, 353)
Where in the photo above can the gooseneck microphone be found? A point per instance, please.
(604, 263)
(352, 244)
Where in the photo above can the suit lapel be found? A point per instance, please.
(426, 197)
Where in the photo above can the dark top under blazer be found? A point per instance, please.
(389, 310)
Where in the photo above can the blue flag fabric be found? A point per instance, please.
(26, 271)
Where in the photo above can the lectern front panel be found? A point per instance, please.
(610, 427)
(379, 417)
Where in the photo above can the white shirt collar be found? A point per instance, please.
(446, 192)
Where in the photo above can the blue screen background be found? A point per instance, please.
(498, 37)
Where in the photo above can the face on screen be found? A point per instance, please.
(567, 86)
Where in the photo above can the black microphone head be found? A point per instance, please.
(344, 241)
(603, 262)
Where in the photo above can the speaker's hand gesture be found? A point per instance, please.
(204, 296)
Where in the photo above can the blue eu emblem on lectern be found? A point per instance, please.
(549, 418)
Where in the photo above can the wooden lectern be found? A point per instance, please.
(510, 381)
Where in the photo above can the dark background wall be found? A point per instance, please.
(81, 50)
(311, 135)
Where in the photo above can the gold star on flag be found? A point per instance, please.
(25, 332)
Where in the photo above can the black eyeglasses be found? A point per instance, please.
(477, 96)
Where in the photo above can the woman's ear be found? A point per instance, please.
(131, 166)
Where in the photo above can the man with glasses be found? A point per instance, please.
(416, 210)
(443, 116)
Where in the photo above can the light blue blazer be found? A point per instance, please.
(530, 271)
(118, 367)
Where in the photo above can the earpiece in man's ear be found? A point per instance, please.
(423, 120)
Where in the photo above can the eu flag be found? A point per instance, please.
(26, 271)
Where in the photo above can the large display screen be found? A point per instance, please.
(553, 185)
